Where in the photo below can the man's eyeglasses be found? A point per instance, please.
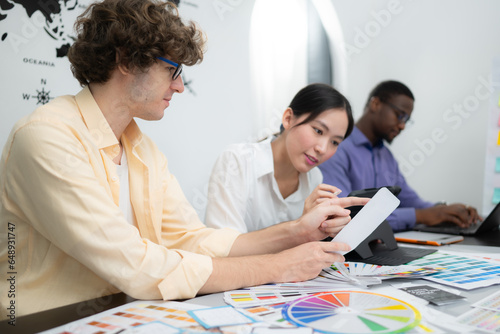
(402, 116)
(178, 67)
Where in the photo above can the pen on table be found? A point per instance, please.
(422, 242)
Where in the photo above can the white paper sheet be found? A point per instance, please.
(368, 219)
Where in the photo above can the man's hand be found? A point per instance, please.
(300, 263)
(307, 260)
(285, 252)
(459, 214)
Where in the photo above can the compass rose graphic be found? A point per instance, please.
(42, 96)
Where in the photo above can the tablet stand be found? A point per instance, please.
(381, 248)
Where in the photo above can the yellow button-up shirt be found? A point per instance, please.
(63, 237)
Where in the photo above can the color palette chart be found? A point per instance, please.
(358, 269)
(130, 316)
(485, 316)
(490, 303)
(248, 298)
(352, 312)
(484, 320)
(270, 314)
(461, 271)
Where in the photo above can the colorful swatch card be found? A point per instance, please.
(461, 271)
(247, 298)
(270, 314)
(155, 327)
(481, 319)
(220, 316)
(296, 330)
(131, 315)
(491, 302)
(360, 270)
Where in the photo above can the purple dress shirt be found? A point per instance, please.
(359, 165)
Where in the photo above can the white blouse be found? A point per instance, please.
(243, 193)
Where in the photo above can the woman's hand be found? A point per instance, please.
(320, 194)
(327, 218)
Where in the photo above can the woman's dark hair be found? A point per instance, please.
(386, 89)
(317, 98)
(132, 33)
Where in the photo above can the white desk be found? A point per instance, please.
(454, 309)
(56, 317)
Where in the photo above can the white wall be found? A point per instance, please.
(196, 128)
(442, 50)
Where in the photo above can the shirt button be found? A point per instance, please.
(114, 178)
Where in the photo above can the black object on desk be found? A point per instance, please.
(491, 238)
(380, 247)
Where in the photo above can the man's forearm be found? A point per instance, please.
(270, 240)
(296, 264)
(236, 272)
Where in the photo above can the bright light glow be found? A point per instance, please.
(278, 57)
(333, 30)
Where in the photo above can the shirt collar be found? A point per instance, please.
(264, 157)
(94, 119)
(133, 133)
(97, 124)
(264, 166)
(359, 139)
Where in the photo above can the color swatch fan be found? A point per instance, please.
(352, 312)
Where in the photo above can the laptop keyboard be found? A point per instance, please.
(447, 227)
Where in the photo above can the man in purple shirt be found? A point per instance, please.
(363, 161)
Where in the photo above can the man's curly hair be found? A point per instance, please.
(132, 33)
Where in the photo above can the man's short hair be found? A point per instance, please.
(386, 89)
(132, 33)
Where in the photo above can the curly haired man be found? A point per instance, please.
(94, 208)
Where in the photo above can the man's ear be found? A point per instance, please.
(374, 104)
(121, 67)
(287, 119)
